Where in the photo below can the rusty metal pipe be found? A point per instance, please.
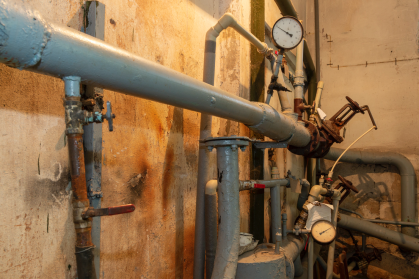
(83, 225)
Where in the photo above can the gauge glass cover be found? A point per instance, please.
(323, 232)
(287, 33)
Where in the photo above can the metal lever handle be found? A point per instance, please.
(366, 108)
(108, 211)
(348, 184)
(109, 115)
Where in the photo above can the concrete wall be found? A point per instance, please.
(360, 32)
(150, 159)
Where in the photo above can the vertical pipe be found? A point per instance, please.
(204, 168)
(284, 226)
(276, 214)
(299, 82)
(92, 137)
(84, 246)
(257, 94)
(331, 255)
(317, 34)
(310, 257)
(228, 243)
(210, 225)
(276, 226)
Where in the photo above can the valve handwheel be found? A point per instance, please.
(348, 184)
(355, 104)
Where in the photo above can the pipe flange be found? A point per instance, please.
(233, 141)
(312, 145)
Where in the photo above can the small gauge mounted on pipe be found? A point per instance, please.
(323, 232)
(287, 33)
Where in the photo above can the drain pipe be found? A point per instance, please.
(228, 242)
(74, 132)
(407, 173)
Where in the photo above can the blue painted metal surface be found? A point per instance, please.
(94, 25)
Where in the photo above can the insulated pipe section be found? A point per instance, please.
(29, 42)
(210, 225)
(407, 173)
(320, 85)
(356, 224)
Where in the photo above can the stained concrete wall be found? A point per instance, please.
(368, 32)
(150, 159)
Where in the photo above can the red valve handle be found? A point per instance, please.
(108, 211)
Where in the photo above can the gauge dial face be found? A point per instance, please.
(323, 232)
(287, 32)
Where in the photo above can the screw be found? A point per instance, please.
(234, 147)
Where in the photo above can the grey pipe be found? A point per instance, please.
(58, 51)
(204, 171)
(228, 242)
(299, 72)
(293, 245)
(251, 184)
(285, 103)
(331, 255)
(402, 240)
(298, 267)
(276, 215)
(305, 189)
(210, 225)
(407, 173)
(310, 258)
(392, 222)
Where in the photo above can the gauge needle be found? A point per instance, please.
(324, 231)
(286, 32)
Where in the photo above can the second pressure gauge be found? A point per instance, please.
(287, 33)
(323, 232)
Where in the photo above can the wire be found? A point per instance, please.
(331, 172)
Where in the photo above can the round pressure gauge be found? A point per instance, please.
(287, 32)
(323, 232)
